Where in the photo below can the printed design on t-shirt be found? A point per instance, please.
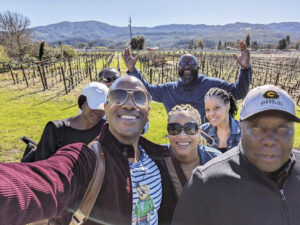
(144, 206)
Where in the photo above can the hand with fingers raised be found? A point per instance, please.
(244, 58)
(130, 60)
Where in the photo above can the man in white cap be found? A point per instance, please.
(258, 181)
(83, 127)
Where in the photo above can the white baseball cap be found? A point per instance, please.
(268, 97)
(95, 94)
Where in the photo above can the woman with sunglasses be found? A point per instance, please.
(220, 108)
(186, 152)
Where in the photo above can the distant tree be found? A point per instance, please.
(81, 45)
(137, 42)
(91, 44)
(141, 42)
(191, 44)
(42, 49)
(282, 44)
(14, 33)
(199, 43)
(219, 46)
(288, 40)
(254, 45)
(248, 40)
(68, 51)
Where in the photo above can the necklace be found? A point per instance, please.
(143, 169)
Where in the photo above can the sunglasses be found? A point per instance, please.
(188, 63)
(119, 97)
(176, 128)
(109, 79)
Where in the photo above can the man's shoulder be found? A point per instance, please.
(221, 165)
(77, 148)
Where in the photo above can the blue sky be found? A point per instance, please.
(156, 12)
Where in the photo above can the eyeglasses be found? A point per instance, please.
(176, 128)
(109, 79)
(188, 63)
(119, 97)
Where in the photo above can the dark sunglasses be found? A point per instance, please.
(176, 128)
(119, 97)
(109, 79)
(188, 63)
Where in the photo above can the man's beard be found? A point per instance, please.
(188, 80)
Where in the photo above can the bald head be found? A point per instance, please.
(128, 82)
(188, 69)
(188, 58)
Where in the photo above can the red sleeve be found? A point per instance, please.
(44, 189)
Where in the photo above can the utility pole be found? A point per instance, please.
(130, 27)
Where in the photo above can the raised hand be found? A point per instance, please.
(129, 60)
(244, 58)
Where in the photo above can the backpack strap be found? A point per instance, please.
(178, 175)
(174, 179)
(88, 201)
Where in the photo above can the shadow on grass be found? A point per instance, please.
(51, 98)
(57, 95)
(25, 94)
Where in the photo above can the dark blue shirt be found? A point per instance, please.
(174, 93)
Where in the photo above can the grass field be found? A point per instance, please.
(25, 112)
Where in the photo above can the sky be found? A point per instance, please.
(150, 13)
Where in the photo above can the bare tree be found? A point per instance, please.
(14, 33)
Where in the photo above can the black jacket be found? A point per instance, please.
(229, 190)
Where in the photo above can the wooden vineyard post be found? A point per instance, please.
(71, 74)
(90, 73)
(277, 78)
(151, 73)
(44, 76)
(12, 74)
(41, 75)
(203, 64)
(22, 68)
(118, 66)
(95, 62)
(64, 79)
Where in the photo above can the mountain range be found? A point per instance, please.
(164, 36)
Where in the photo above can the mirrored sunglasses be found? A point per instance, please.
(176, 128)
(119, 97)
